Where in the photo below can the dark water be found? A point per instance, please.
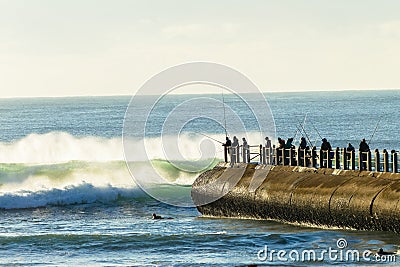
(66, 197)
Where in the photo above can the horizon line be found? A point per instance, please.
(208, 93)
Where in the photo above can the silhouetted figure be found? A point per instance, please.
(326, 152)
(156, 217)
(227, 145)
(281, 142)
(228, 142)
(244, 142)
(246, 150)
(281, 145)
(364, 148)
(289, 144)
(303, 143)
(234, 154)
(302, 152)
(268, 142)
(326, 145)
(235, 142)
(350, 148)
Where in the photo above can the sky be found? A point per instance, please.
(99, 47)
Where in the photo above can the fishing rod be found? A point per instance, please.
(223, 105)
(304, 123)
(305, 133)
(308, 139)
(315, 128)
(376, 128)
(211, 138)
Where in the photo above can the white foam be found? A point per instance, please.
(73, 194)
(57, 147)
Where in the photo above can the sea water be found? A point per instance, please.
(67, 197)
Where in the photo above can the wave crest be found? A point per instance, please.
(58, 147)
(84, 193)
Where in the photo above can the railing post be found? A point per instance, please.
(321, 159)
(273, 159)
(360, 160)
(353, 160)
(263, 151)
(314, 157)
(291, 157)
(344, 159)
(385, 161)
(277, 153)
(369, 161)
(337, 158)
(377, 161)
(233, 156)
(305, 157)
(394, 161)
(329, 159)
(244, 154)
(237, 154)
(284, 156)
(299, 161)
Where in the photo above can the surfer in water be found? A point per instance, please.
(158, 217)
(381, 252)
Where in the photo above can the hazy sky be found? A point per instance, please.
(99, 47)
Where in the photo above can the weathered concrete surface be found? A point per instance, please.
(327, 197)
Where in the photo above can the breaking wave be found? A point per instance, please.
(83, 193)
(60, 169)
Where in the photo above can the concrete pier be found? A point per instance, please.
(362, 200)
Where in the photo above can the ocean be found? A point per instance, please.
(67, 197)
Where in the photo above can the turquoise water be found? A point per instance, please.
(67, 198)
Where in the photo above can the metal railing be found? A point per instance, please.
(339, 158)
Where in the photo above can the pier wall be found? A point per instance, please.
(362, 200)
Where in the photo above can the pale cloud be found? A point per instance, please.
(201, 30)
(390, 28)
(183, 30)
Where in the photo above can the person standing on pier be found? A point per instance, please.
(268, 142)
(289, 144)
(326, 145)
(246, 151)
(235, 142)
(227, 148)
(350, 148)
(235, 151)
(364, 149)
(228, 142)
(303, 143)
(326, 149)
(281, 142)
